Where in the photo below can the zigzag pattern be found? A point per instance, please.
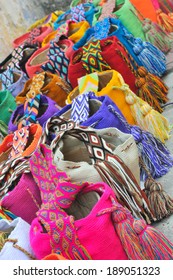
(80, 108)
(92, 59)
(88, 83)
(31, 110)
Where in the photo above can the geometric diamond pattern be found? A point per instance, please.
(58, 62)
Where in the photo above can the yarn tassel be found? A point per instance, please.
(127, 235)
(150, 57)
(154, 243)
(155, 51)
(151, 85)
(156, 123)
(126, 189)
(165, 21)
(123, 223)
(153, 152)
(157, 36)
(166, 5)
(145, 116)
(160, 202)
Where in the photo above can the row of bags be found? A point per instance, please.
(71, 174)
(77, 219)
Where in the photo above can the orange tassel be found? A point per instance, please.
(151, 89)
(165, 21)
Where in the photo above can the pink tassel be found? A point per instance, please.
(154, 243)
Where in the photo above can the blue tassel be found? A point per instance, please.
(154, 64)
(153, 152)
(156, 52)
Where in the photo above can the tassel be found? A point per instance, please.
(157, 36)
(166, 5)
(153, 152)
(160, 202)
(150, 87)
(156, 123)
(126, 189)
(123, 223)
(155, 51)
(127, 235)
(145, 116)
(154, 243)
(153, 85)
(165, 21)
(150, 57)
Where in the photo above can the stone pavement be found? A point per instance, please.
(17, 15)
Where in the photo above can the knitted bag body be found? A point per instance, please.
(57, 193)
(48, 84)
(126, 15)
(16, 245)
(18, 58)
(133, 108)
(45, 108)
(62, 227)
(147, 9)
(107, 83)
(99, 56)
(57, 60)
(7, 105)
(24, 200)
(12, 80)
(34, 37)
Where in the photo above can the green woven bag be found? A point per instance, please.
(7, 105)
(126, 13)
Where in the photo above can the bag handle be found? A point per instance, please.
(16, 246)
